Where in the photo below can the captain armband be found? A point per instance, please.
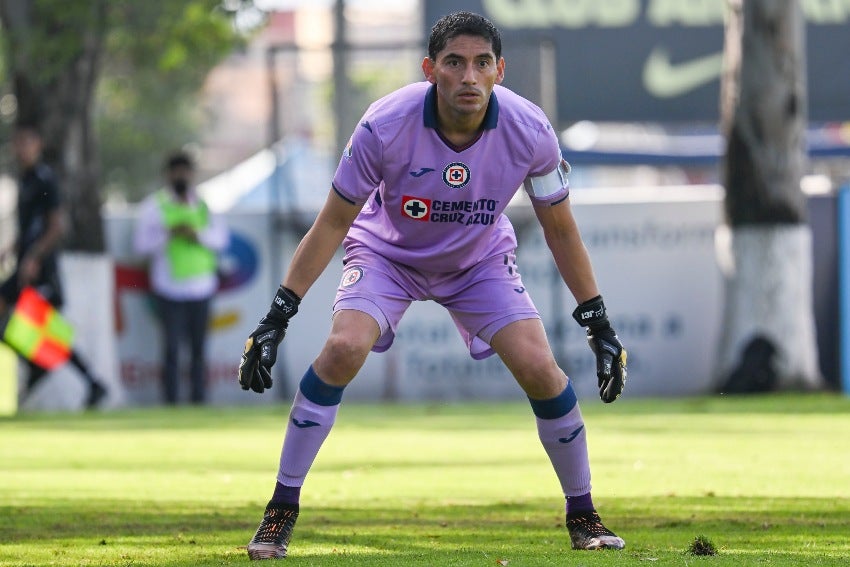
(543, 186)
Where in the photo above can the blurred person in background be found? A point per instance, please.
(417, 202)
(41, 226)
(182, 238)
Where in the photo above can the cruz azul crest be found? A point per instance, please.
(351, 276)
(456, 175)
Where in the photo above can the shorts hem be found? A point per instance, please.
(370, 308)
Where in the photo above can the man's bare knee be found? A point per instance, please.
(341, 358)
(352, 336)
(541, 379)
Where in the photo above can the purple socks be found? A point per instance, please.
(311, 418)
(560, 427)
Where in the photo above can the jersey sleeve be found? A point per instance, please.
(547, 181)
(359, 171)
(51, 194)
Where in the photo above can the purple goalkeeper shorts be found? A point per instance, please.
(481, 300)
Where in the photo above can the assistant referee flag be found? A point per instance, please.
(38, 331)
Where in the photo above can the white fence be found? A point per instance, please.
(653, 252)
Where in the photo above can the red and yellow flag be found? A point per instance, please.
(38, 331)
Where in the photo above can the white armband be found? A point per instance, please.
(545, 185)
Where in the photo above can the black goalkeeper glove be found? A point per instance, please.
(609, 351)
(260, 351)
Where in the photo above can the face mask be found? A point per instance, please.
(180, 186)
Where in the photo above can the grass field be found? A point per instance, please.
(765, 479)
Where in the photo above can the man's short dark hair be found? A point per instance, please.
(179, 159)
(31, 128)
(463, 23)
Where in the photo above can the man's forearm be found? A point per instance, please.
(319, 245)
(49, 241)
(312, 256)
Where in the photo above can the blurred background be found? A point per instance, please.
(265, 94)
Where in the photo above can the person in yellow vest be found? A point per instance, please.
(182, 238)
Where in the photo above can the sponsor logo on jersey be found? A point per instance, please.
(351, 276)
(467, 213)
(456, 175)
(415, 208)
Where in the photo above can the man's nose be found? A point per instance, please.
(469, 75)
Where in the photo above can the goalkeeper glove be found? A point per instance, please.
(260, 351)
(606, 346)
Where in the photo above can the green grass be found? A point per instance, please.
(766, 480)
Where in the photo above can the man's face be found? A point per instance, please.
(26, 145)
(180, 173)
(464, 73)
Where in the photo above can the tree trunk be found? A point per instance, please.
(768, 339)
(55, 66)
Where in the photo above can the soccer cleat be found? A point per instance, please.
(588, 532)
(273, 535)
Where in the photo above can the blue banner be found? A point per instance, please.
(645, 60)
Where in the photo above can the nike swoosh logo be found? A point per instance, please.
(572, 436)
(304, 424)
(421, 172)
(664, 79)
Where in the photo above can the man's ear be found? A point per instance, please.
(500, 71)
(428, 70)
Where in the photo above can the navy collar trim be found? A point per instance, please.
(429, 115)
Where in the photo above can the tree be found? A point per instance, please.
(768, 338)
(56, 52)
(157, 57)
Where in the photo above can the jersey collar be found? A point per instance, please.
(491, 117)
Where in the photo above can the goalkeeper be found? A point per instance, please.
(417, 201)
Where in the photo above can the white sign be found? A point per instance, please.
(652, 251)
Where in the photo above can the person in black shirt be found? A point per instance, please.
(41, 225)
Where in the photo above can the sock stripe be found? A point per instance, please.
(556, 407)
(319, 392)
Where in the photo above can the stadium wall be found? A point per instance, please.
(654, 254)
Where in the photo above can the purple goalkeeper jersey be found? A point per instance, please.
(435, 206)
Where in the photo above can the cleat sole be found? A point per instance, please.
(259, 551)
